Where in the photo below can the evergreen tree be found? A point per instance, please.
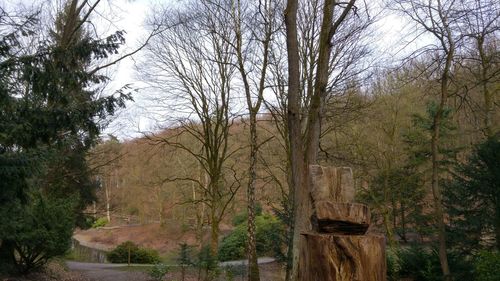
(51, 114)
(472, 198)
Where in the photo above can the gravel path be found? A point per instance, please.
(262, 260)
(106, 272)
(116, 272)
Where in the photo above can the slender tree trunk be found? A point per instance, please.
(214, 237)
(253, 266)
(293, 122)
(497, 227)
(108, 214)
(488, 106)
(7, 258)
(403, 222)
(253, 270)
(436, 192)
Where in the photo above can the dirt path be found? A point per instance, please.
(106, 272)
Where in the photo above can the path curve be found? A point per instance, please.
(106, 271)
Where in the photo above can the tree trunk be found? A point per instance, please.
(108, 214)
(436, 192)
(488, 98)
(214, 235)
(335, 257)
(253, 267)
(7, 258)
(497, 227)
(293, 123)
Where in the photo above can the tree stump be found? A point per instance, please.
(341, 218)
(338, 248)
(335, 257)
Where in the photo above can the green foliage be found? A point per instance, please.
(472, 199)
(243, 216)
(185, 258)
(51, 114)
(487, 266)
(206, 260)
(233, 246)
(234, 271)
(158, 271)
(393, 267)
(38, 231)
(137, 255)
(100, 222)
(268, 239)
(419, 263)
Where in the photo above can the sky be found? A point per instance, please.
(131, 16)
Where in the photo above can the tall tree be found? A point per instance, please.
(51, 112)
(473, 202)
(193, 65)
(438, 19)
(254, 26)
(480, 26)
(304, 148)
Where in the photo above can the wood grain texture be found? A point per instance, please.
(333, 257)
(331, 184)
(341, 218)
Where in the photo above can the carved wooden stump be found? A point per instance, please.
(341, 218)
(334, 257)
(338, 248)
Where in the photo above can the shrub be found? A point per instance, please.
(393, 268)
(268, 239)
(420, 263)
(39, 231)
(487, 266)
(243, 216)
(137, 255)
(233, 246)
(207, 264)
(158, 271)
(100, 222)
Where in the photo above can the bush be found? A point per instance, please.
(38, 231)
(207, 264)
(243, 216)
(137, 255)
(487, 266)
(158, 271)
(268, 236)
(233, 246)
(420, 263)
(393, 268)
(100, 222)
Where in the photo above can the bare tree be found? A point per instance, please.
(438, 19)
(254, 26)
(191, 67)
(480, 27)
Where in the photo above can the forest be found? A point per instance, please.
(242, 97)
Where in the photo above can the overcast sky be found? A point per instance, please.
(131, 15)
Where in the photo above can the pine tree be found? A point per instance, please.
(472, 199)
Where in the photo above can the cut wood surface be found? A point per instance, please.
(331, 184)
(341, 218)
(334, 257)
